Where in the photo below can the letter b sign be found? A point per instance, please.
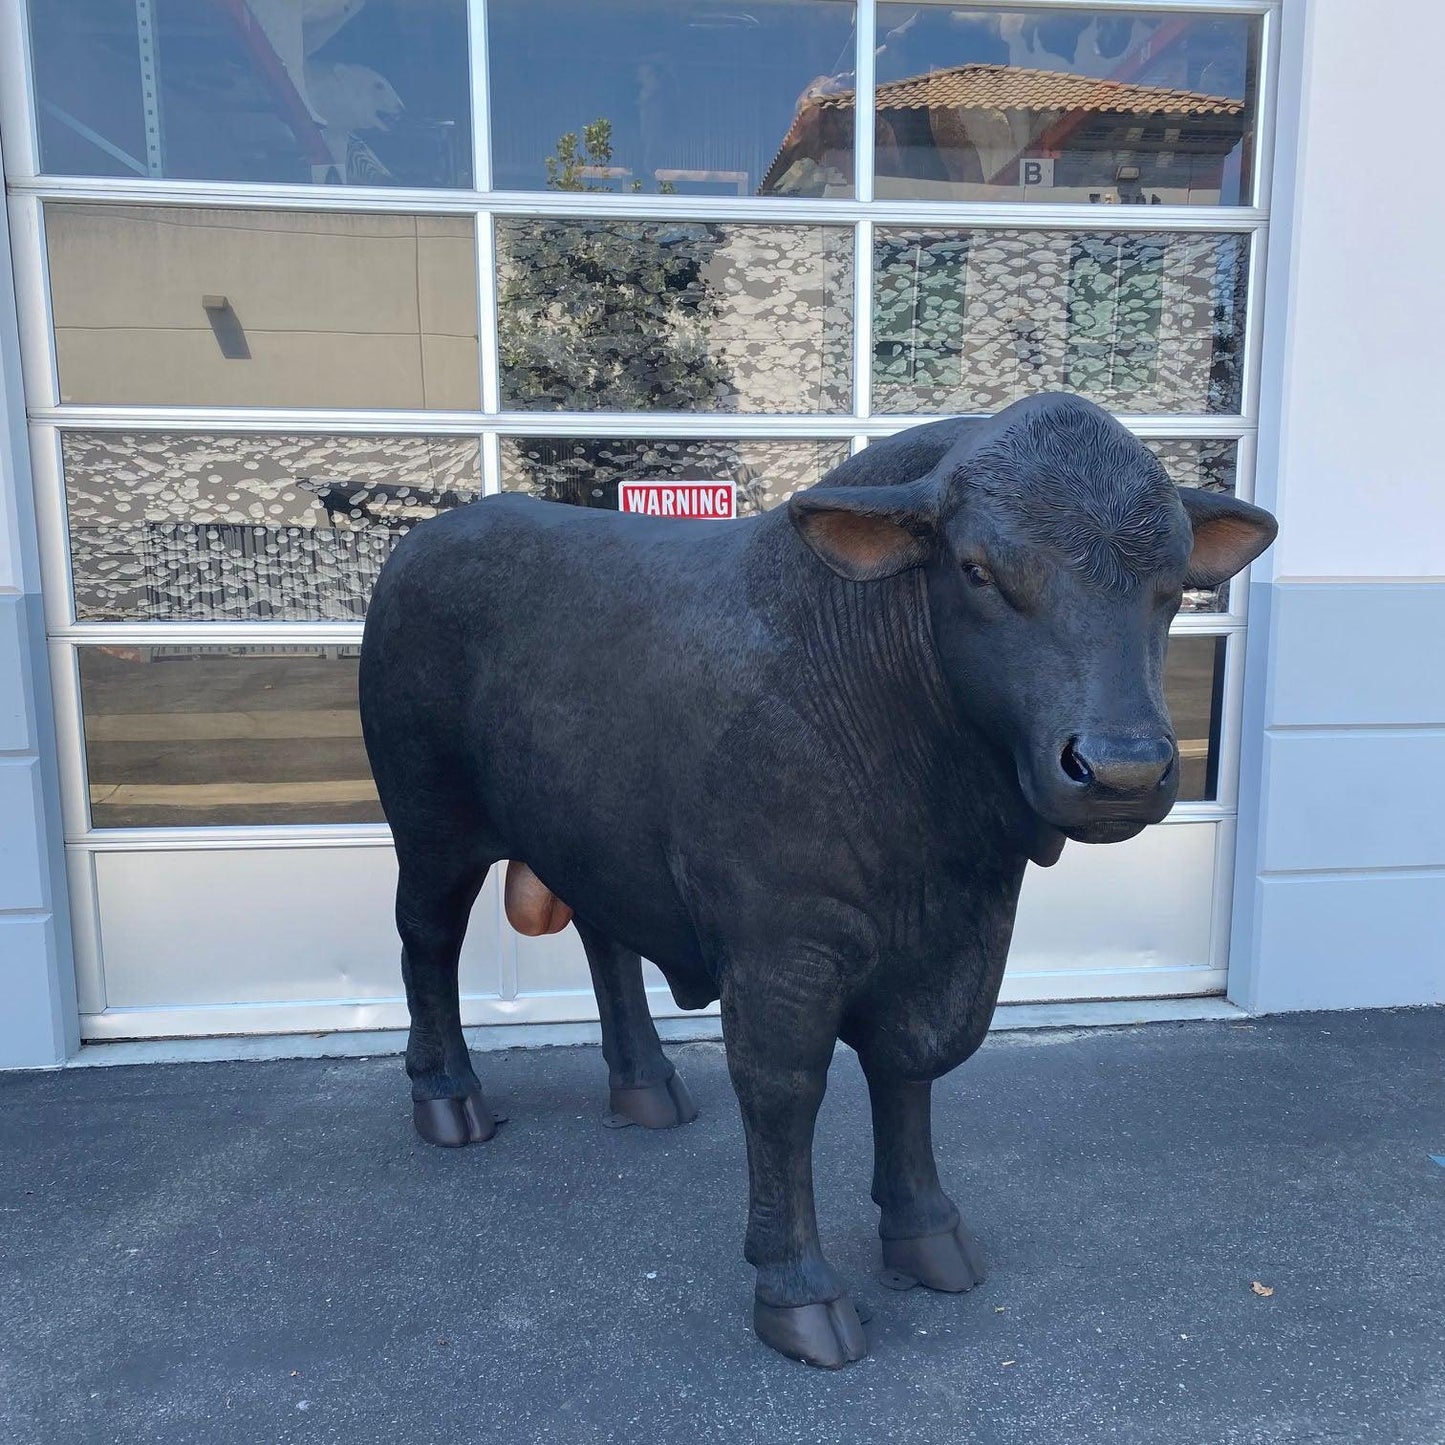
(1036, 171)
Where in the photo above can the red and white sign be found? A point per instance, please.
(709, 501)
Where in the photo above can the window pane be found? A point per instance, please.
(683, 316)
(189, 736)
(164, 305)
(968, 321)
(586, 473)
(1072, 105)
(196, 527)
(662, 96)
(1194, 691)
(361, 92)
(1200, 462)
(1197, 461)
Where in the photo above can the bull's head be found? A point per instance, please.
(1055, 552)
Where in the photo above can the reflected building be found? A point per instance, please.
(171, 305)
(1003, 133)
(1137, 321)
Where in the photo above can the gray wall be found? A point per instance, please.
(37, 985)
(1340, 898)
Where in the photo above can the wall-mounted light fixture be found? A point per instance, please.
(226, 328)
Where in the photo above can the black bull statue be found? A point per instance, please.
(800, 761)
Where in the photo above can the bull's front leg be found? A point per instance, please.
(778, 1053)
(924, 1239)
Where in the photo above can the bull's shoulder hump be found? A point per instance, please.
(905, 456)
(514, 512)
(512, 537)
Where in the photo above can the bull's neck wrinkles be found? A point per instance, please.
(869, 680)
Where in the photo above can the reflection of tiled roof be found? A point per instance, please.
(1007, 87)
(1004, 88)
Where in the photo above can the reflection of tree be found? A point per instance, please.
(605, 315)
(579, 166)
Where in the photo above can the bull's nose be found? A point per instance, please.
(1118, 765)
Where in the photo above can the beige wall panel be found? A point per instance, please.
(327, 310)
(449, 373)
(185, 368)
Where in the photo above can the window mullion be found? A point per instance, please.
(864, 83)
(480, 77)
(489, 362)
(863, 321)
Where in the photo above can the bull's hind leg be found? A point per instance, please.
(924, 1240)
(434, 900)
(644, 1088)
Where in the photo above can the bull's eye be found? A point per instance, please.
(978, 574)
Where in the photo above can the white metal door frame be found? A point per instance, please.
(87, 848)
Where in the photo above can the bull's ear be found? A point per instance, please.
(864, 533)
(1228, 535)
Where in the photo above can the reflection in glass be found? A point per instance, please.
(1073, 105)
(662, 96)
(1212, 464)
(674, 316)
(201, 307)
(968, 321)
(1207, 462)
(1194, 692)
(335, 92)
(181, 736)
(196, 527)
(586, 473)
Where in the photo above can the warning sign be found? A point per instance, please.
(710, 501)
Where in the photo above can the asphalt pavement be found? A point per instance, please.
(1197, 1233)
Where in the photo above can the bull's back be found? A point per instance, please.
(560, 664)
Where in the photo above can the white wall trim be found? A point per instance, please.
(1009, 1020)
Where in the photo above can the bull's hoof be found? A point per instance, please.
(828, 1334)
(653, 1106)
(450, 1123)
(951, 1261)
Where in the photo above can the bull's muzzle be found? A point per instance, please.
(1098, 787)
(1119, 767)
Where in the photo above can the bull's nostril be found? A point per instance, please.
(1167, 776)
(1074, 765)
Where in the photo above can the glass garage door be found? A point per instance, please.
(296, 276)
